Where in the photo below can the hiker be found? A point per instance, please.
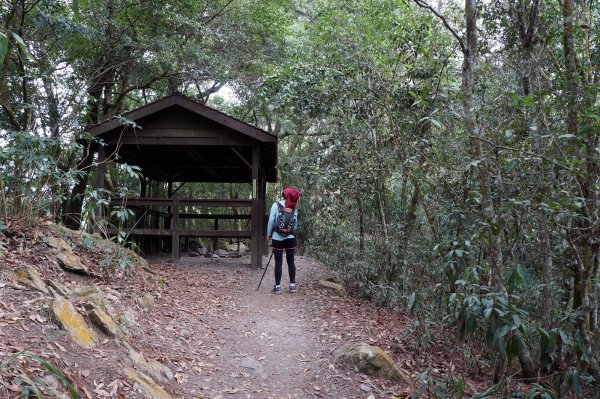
(283, 221)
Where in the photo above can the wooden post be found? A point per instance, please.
(216, 240)
(169, 219)
(169, 195)
(100, 170)
(264, 217)
(255, 248)
(141, 216)
(175, 231)
(143, 194)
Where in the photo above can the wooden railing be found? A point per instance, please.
(172, 218)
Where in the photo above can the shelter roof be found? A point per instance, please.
(179, 139)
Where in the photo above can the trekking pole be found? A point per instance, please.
(265, 272)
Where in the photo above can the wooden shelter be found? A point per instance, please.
(179, 140)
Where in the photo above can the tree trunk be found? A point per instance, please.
(527, 31)
(484, 174)
(527, 368)
(381, 192)
(547, 264)
(475, 135)
(581, 305)
(73, 206)
(411, 216)
(595, 294)
(583, 235)
(361, 227)
(435, 231)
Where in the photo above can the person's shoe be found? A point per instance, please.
(277, 289)
(293, 288)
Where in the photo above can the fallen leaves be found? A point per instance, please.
(36, 317)
(181, 378)
(111, 393)
(204, 322)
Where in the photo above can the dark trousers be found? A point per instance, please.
(289, 246)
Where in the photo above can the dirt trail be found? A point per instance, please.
(225, 339)
(204, 319)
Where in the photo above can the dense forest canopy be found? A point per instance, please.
(448, 152)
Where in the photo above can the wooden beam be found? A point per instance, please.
(178, 188)
(186, 233)
(215, 216)
(140, 213)
(264, 217)
(262, 191)
(217, 203)
(215, 240)
(200, 167)
(100, 172)
(206, 141)
(175, 231)
(193, 154)
(211, 130)
(240, 156)
(255, 252)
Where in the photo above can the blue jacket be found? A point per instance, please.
(273, 221)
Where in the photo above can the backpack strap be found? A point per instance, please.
(280, 208)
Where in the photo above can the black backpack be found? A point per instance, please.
(285, 221)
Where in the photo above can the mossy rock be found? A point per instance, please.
(67, 317)
(69, 261)
(27, 275)
(149, 388)
(59, 287)
(91, 294)
(102, 320)
(338, 288)
(95, 240)
(151, 367)
(56, 243)
(370, 360)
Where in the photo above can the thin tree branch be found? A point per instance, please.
(533, 14)
(521, 151)
(14, 122)
(143, 86)
(218, 13)
(287, 133)
(424, 4)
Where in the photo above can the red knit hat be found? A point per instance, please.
(291, 196)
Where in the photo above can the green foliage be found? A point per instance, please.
(118, 218)
(118, 259)
(489, 393)
(29, 178)
(369, 114)
(431, 386)
(33, 385)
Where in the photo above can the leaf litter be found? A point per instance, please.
(207, 317)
